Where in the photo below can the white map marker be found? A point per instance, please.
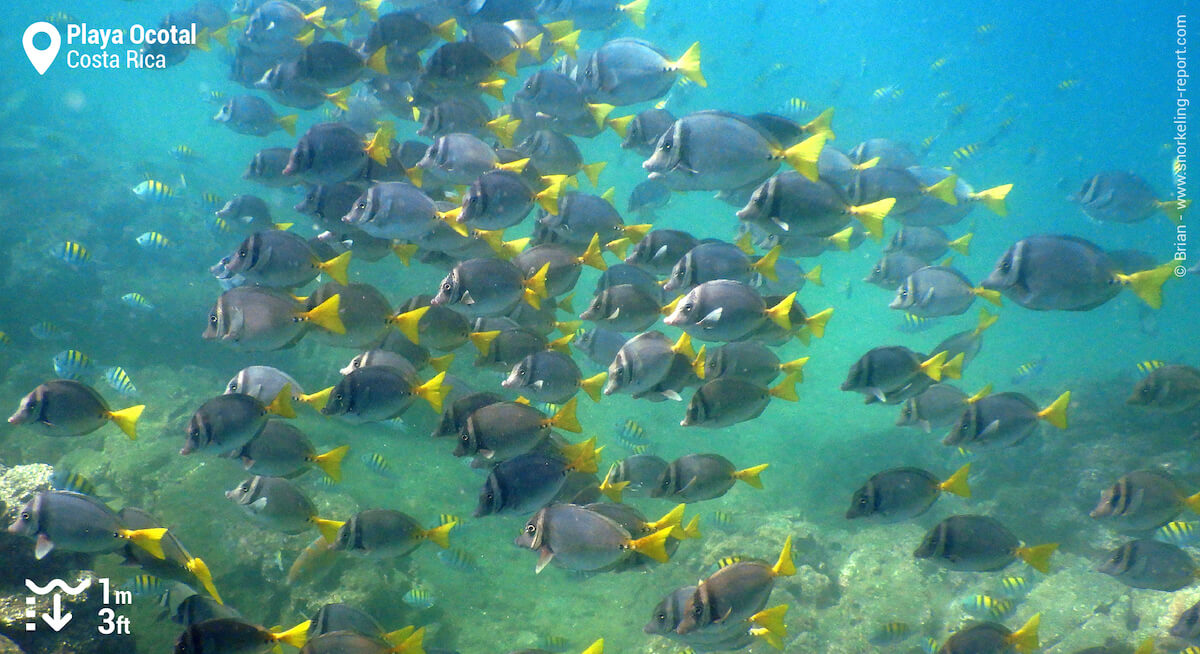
(41, 59)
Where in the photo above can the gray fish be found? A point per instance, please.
(727, 401)
(403, 31)
(582, 215)
(1150, 564)
(643, 361)
(348, 642)
(734, 593)
(877, 183)
(331, 64)
(903, 493)
(328, 203)
(253, 116)
(466, 115)
(235, 634)
(336, 616)
(1187, 625)
(385, 533)
(461, 158)
(256, 319)
(975, 543)
(489, 287)
(926, 243)
(640, 132)
(503, 430)
(711, 261)
(713, 151)
(225, 423)
(455, 414)
(79, 523)
(502, 350)
(641, 471)
(661, 249)
(527, 482)
(1004, 419)
(576, 538)
(725, 310)
(282, 260)
(186, 607)
(287, 86)
(623, 308)
(267, 168)
(883, 370)
(623, 273)
(1143, 500)
(931, 211)
(497, 199)
(628, 71)
(935, 291)
(890, 154)
(65, 407)
(791, 204)
(381, 357)
(892, 269)
(1065, 273)
(565, 265)
(460, 65)
(277, 504)
(281, 450)
(599, 344)
(551, 376)
(969, 342)
(263, 383)
(1170, 389)
(248, 213)
(940, 405)
(669, 613)
(992, 638)
(648, 196)
(392, 210)
(554, 94)
(700, 477)
(327, 153)
(1122, 197)
(749, 361)
(437, 327)
(363, 311)
(378, 393)
(556, 154)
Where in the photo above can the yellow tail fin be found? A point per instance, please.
(537, 283)
(1038, 556)
(620, 125)
(684, 346)
(766, 264)
(654, 545)
(341, 99)
(842, 238)
(569, 43)
(442, 363)
(814, 275)
(316, 17)
(795, 368)
(317, 400)
(433, 391)
(288, 123)
(772, 620)
(199, 570)
(985, 320)
(325, 315)
(803, 155)
(962, 244)
(994, 198)
(298, 635)
(281, 404)
(447, 30)
(933, 366)
(822, 124)
(952, 369)
(783, 566)
(957, 482)
(1147, 284)
(565, 418)
(599, 112)
(331, 462)
(593, 256)
(636, 11)
(409, 323)
(495, 88)
(337, 267)
(379, 148)
(816, 323)
(689, 65)
(610, 490)
(533, 47)
(672, 518)
(1193, 503)
(944, 190)
(870, 216)
(404, 252)
(1173, 210)
(1025, 639)
(698, 362)
(983, 392)
(378, 61)
(440, 535)
(786, 388)
(593, 385)
(635, 233)
(561, 344)
(517, 166)
(371, 7)
(1056, 413)
(328, 528)
(750, 475)
(780, 313)
(595, 648)
(147, 539)
(592, 171)
(127, 419)
(991, 295)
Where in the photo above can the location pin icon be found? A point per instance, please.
(41, 59)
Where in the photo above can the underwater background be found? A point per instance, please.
(1058, 92)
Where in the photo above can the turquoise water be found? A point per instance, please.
(76, 141)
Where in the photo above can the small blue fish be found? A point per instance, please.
(890, 634)
(218, 225)
(1182, 534)
(214, 97)
(71, 364)
(725, 562)
(137, 301)
(913, 324)
(65, 480)
(1014, 587)
(211, 201)
(71, 253)
(152, 190)
(988, 607)
(930, 646)
(1029, 370)
(723, 519)
(418, 598)
(1150, 365)
(459, 559)
(631, 431)
(184, 153)
(46, 330)
(154, 242)
(325, 481)
(120, 381)
(144, 586)
(378, 464)
(450, 519)
(554, 644)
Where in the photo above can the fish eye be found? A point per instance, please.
(903, 292)
(25, 516)
(1119, 556)
(661, 617)
(862, 501)
(233, 386)
(530, 529)
(337, 398)
(242, 252)
(464, 438)
(245, 488)
(446, 287)
(362, 206)
(1005, 266)
(697, 611)
(212, 319)
(687, 308)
